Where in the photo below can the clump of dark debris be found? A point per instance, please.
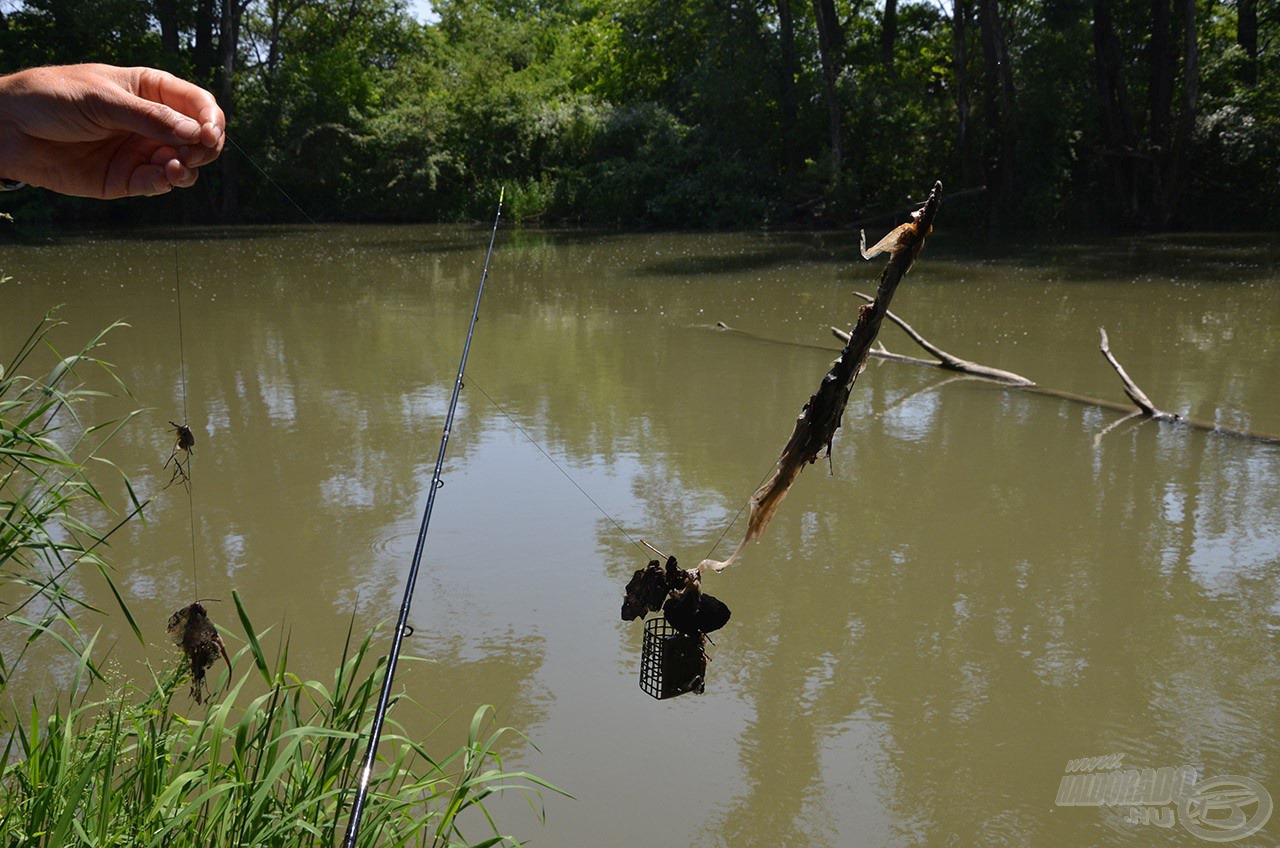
(678, 594)
(193, 632)
(184, 445)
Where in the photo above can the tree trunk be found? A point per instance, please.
(1191, 68)
(1118, 133)
(999, 100)
(969, 171)
(228, 43)
(787, 85)
(1178, 175)
(202, 52)
(167, 17)
(1155, 210)
(831, 50)
(888, 32)
(1247, 38)
(1162, 69)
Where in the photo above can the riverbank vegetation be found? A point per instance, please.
(688, 113)
(269, 760)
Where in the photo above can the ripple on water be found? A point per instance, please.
(395, 541)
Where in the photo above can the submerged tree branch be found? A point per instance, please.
(1137, 395)
(947, 360)
(1146, 408)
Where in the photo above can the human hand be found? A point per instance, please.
(106, 132)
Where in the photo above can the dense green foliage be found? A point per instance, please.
(690, 113)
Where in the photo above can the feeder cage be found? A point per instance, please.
(671, 663)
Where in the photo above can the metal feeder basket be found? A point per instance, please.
(671, 663)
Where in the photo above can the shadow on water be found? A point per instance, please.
(1184, 257)
(692, 266)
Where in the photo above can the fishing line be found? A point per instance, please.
(737, 515)
(587, 494)
(182, 356)
(186, 418)
(564, 472)
(533, 441)
(384, 698)
(559, 467)
(274, 184)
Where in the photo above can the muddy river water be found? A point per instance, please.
(981, 586)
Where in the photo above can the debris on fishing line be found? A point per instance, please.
(183, 447)
(193, 632)
(673, 657)
(645, 593)
(820, 417)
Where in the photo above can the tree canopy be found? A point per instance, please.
(708, 113)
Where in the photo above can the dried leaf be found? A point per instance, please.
(645, 592)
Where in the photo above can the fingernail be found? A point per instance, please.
(186, 128)
(159, 182)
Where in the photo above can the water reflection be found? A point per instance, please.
(980, 586)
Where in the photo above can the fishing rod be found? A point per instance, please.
(384, 699)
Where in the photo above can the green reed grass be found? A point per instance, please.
(273, 769)
(269, 760)
(47, 454)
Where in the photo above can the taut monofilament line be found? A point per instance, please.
(180, 456)
(402, 623)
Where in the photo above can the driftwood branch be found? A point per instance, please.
(1146, 408)
(946, 360)
(1137, 395)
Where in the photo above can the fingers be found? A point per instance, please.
(178, 175)
(187, 101)
(209, 148)
(161, 175)
(180, 95)
(151, 180)
(121, 109)
(147, 181)
(102, 131)
(184, 118)
(168, 110)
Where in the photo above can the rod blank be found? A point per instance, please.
(384, 699)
